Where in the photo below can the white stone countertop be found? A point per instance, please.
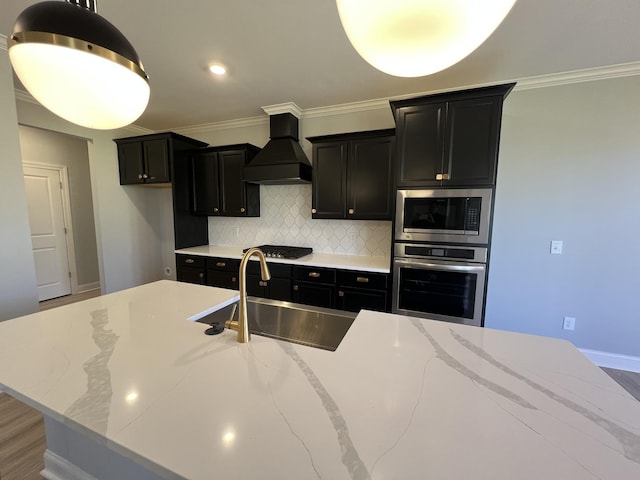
(328, 260)
(401, 397)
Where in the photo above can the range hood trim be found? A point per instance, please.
(282, 160)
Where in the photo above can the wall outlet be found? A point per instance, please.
(569, 323)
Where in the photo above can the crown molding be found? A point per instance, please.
(223, 125)
(288, 107)
(3, 42)
(579, 76)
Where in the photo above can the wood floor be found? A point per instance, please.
(22, 437)
(67, 299)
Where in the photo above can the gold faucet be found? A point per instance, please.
(242, 324)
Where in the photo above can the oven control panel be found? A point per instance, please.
(442, 252)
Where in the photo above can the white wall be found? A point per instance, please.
(44, 147)
(18, 291)
(569, 170)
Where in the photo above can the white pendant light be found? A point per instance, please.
(412, 38)
(78, 65)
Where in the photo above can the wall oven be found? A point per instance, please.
(439, 282)
(444, 215)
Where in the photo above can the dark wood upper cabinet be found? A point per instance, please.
(449, 139)
(353, 175)
(144, 161)
(217, 185)
(164, 158)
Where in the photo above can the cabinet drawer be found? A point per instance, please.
(277, 270)
(354, 299)
(314, 274)
(191, 275)
(191, 261)
(365, 280)
(223, 264)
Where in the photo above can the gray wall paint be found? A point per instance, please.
(569, 169)
(42, 146)
(18, 291)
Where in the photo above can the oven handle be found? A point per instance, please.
(456, 266)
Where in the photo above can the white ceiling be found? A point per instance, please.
(279, 51)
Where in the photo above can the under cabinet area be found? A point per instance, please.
(353, 175)
(162, 159)
(449, 139)
(217, 183)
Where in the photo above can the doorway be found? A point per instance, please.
(47, 188)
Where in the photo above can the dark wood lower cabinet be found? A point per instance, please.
(349, 290)
(319, 295)
(354, 300)
(191, 275)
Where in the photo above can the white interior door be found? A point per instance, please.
(46, 217)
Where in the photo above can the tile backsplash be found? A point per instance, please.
(285, 219)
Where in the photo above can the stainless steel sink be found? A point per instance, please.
(313, 326)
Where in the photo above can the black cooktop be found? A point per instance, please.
(283, 251)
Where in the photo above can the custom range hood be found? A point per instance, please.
(281, 161)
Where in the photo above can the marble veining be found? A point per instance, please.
(629, 440)
(93, 407)
(350, 457)
(401, 397)
(467, 372)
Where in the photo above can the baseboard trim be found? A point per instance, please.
(613, 360)
(87, 287)
(58, 468)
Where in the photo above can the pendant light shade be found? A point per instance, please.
(412, 38)
(78, 65)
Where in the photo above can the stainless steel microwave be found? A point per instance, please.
(444, 215)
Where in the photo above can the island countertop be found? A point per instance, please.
(401, 397)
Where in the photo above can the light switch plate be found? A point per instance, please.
(556, 247)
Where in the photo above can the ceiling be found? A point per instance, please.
(279, 51)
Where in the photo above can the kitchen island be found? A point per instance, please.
(131, 388)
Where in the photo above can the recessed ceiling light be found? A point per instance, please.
(217, 69)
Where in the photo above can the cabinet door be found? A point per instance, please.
(191, 275)
(420, 144)
(280, 289)
(473, 141)
(256, 287)
(156, 156)
(232, 188)
(354, 300)
(206, 193)
(370, 177)
(222, 279)
(131, 163)
(329, 190)
(320, 295)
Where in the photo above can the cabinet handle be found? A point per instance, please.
(221, 264)
(201, 275)
(139, 176)
(313, 210)
(314, 274)
(144, 175)
(242, 210)
(341, 293)
(262, 283)
(362, 280)
(152, 178)
(351, 211)
(234, 279)
(442, 176)
(296, 288)
(189, 260)
(215, 209)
